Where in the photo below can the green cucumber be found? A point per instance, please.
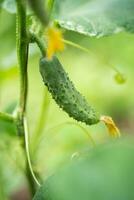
(64, 92)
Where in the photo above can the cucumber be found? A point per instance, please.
(64, 92)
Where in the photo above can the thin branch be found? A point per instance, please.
(6, 117)
(28, 154)
(90, 52)
(41, 121)
(33, 38)
(75, 124)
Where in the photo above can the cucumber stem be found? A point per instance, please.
(33, 38)
(22, 51)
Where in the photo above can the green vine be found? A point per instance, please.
(41, 122)
(22, 50)
(59, 126)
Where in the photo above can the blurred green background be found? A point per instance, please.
(92, 76)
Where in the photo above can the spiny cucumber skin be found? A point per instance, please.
(64, 92)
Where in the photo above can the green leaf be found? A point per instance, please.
(5, 127)
(9, 5)
(1, 1)
(95, 17)
(105, 174)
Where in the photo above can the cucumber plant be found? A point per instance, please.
(53, 16)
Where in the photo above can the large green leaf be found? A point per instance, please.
(105, 174)
(95, 17)
(10, 6)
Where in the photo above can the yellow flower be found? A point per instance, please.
(55, 41)
(112, 128)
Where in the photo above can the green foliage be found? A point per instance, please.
(7, 127)
(95, 17)
(1, 1)
(106, 173)
(64, 92)
(9, 5)
(38, 6)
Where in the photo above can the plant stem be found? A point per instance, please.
(73, 44)
(28, 154)
(22, 50)
(41, 122)
(75, 124)
(39, 41)
(6, 117)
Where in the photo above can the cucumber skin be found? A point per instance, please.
(64, 92)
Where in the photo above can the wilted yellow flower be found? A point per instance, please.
(55, 41)
(112, 128)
